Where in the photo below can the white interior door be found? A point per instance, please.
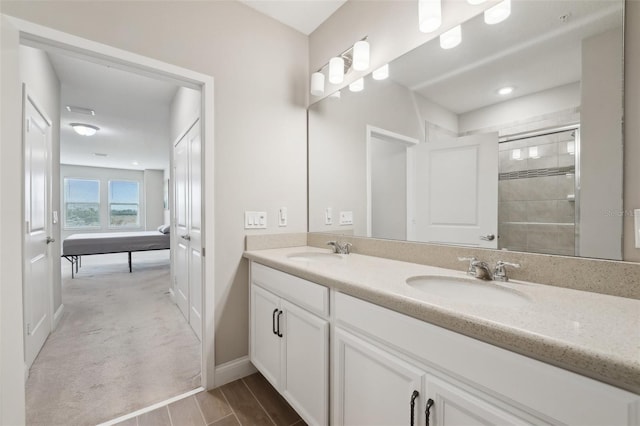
(457, 191)
(37, 277)
(188, 227)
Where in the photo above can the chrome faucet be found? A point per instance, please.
(478, 268)
(340, 248)
(500, 273)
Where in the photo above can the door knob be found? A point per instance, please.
(50, 240)
(186, 237)
(488, 237)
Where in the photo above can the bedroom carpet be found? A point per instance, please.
(121, 344)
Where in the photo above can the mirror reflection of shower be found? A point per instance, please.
(538, 187)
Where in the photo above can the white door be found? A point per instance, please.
(37, 277)
(457, 191)
(372, 386)
(188, 227)
(265, 339)
(305, 371)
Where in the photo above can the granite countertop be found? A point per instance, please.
(591, 334)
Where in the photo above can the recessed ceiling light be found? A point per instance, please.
(80, 110)
(135, 163)
(84, 129)
(505, 91)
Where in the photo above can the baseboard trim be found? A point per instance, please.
(233, 370)
(57, 316)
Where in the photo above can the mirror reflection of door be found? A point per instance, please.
(457, 192)
(390, 184)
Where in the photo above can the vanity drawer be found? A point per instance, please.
(313, 297)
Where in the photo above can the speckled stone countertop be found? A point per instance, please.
(591, 334)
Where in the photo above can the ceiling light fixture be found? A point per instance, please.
(429, 15)
(361, 55)
(317, 84)
(80, 110)
(516, 154)
(357, 85)
(451, 38)
(381, 73)
(498, 13)
(84, 129)
(505, 91)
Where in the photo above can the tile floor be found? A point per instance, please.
(248, 401)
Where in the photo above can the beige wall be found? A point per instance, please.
(41, 81)
(631, 126)
(260, 71)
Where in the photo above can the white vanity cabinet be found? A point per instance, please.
(380, 357)
(289, 336)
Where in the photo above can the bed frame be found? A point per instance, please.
(77, 245)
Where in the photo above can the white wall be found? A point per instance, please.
(260, 69)
(153, 200)
(601, 147)
(522, 109)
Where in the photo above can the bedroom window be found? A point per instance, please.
(124, 203)
(81, 203)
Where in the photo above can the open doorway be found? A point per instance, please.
(119, 342)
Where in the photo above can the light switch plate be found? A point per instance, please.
(636, 226)
(282, 216)
(328, 216)
(255, 220)
(346, 218)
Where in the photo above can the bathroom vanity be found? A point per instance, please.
(354, 339)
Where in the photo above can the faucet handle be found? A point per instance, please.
(334, 244)
(346, 247)
(472, 268)
(500, 272)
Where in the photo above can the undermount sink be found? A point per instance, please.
(317, 257)
(468, 290)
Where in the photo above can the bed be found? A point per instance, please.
(77, 245)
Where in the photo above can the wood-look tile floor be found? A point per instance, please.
(248, 401)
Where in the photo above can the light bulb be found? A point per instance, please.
(451, 38)
(429, 15)
(505, 91)
(357, 85)
(498, 13)
(381, 73)
(361, 55)
(336, 70)
(317, 84)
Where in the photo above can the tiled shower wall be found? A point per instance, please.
(536, 207)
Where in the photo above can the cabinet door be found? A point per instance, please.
(305, 373)
(265, 343)
(454, 406)
(371, 385)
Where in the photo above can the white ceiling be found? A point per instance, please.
(539, 53)
(132, 112)
(302, 15)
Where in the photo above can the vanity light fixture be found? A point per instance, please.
(336, 70)
(429, 15)
(361, 55)
(498, 13)
(381, 73)
(357, 85)
(451, 38)
(504, 91)
(317, 84)
(84, 129)
(533, 152)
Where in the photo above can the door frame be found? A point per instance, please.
(14, 33)
(27, 96)
(408, 142)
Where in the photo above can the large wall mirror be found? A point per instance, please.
(511, 140)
